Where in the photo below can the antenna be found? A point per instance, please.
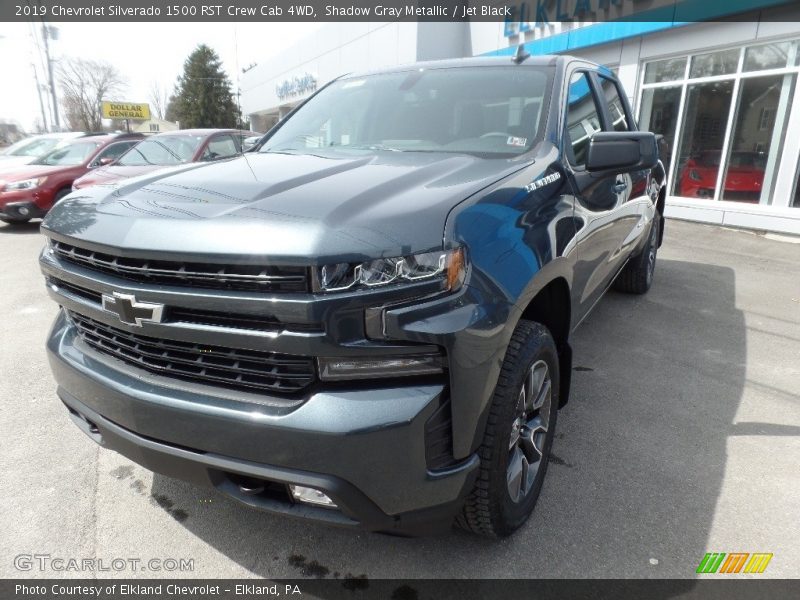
(520, 55)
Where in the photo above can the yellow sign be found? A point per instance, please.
(125, 110)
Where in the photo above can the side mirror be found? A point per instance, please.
(622, 151)
(101, 162)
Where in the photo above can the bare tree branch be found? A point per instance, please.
(84, 84)
(159, 97)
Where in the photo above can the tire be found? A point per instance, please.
(637, 276)
(14, 222)
(492, 509)
(60, 194)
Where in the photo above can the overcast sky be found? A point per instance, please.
(143, 53)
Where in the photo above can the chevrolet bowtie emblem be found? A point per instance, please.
(129, 311)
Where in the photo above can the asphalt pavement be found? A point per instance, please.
(682, 437)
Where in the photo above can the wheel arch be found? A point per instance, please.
(551, 306)
(660, 206)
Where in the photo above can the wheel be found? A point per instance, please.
(637, 276)
(14, 222)
(519, 434)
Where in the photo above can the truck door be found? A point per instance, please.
(603, 215)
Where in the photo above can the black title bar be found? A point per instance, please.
(362, 588)
(537, 12)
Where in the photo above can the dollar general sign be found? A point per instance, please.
(125, 110)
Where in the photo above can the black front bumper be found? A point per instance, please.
(13, 211)
(365, 449)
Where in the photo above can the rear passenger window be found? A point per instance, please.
(619, 121)
(583, 117)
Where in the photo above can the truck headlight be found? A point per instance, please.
(25, 184)
(449, 266)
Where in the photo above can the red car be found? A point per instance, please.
(29, 191)
(166, 150)
(743, 180)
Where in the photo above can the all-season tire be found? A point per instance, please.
(491, 508)
(637, 276)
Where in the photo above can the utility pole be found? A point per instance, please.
(39, 92)
(46, 33)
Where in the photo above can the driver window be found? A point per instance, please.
(616, 108)
(113, 151)
(220, 147)
(583, 118)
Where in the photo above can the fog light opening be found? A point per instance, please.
(308, 495)
(24, 211)
(339, 369)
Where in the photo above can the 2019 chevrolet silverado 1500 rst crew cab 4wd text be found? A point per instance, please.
(366, 319)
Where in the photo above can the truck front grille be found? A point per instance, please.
(261, 278)
(215, 365)
(176, 314)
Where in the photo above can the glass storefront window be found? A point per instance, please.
(714, 63)
(659, 114)
(757, 138)
(670, 69)
(702, 135)
(734, 117)
(768, 56)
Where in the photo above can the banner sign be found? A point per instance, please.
(137, 111)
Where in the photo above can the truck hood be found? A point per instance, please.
(296, 209)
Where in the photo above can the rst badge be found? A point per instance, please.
(542, 181)
(130, 311)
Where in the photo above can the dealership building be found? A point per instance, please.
(721, 87)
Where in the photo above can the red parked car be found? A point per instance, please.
(743, 180)
(166, 150)
(29, 191)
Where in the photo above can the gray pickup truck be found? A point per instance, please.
(365, 320)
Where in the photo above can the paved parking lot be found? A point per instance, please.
(682, 436)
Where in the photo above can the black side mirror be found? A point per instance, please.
(622, 151)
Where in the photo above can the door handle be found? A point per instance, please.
(620, 187)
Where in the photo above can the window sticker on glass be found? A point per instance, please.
(352, 84)
(517, 141)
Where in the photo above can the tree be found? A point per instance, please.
(158, 99)
(84, 84)
(203, 96)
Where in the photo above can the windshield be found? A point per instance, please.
(491, 111)
(69, 155)
(35, 147)
(162, 150)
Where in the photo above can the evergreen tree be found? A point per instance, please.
(203, 96)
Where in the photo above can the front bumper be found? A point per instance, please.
(365, 448)
(19, 206)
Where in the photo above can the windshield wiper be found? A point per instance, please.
(178, 158)
(139, 152)
(302, 137)
(373, 147)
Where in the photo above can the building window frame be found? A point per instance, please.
(786, 164)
